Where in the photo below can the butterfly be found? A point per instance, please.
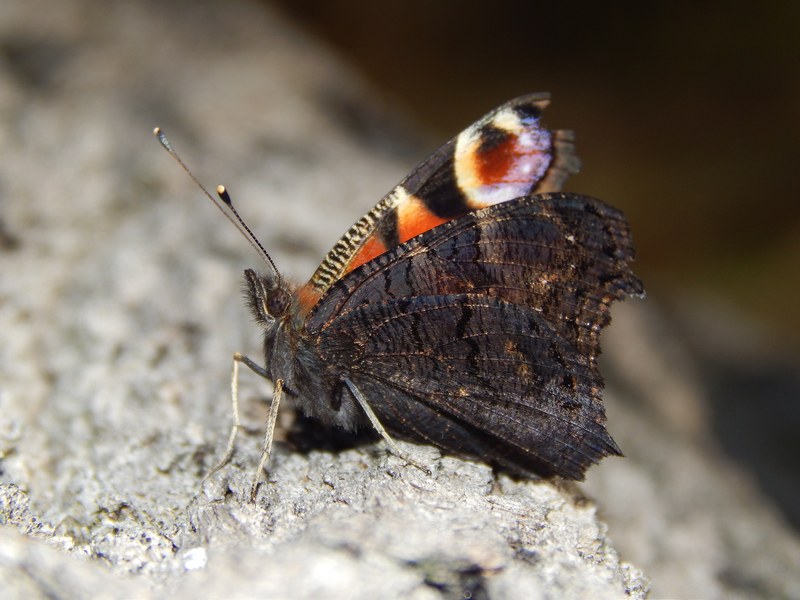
(463, 311)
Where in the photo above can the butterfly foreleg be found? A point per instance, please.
(268, 435)
(373, 419)
(270, 428)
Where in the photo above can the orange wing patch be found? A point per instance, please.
(372, 247)
(414, 217)
(307, 296)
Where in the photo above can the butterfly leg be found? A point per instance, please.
(373, 419)
(268, 435)
(237, 358)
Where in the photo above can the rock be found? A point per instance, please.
(120, 310)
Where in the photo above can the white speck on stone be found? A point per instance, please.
(194, 559)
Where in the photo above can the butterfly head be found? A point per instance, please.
(267, 296)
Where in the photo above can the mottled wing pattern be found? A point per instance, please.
(481, 335)
(505, 155)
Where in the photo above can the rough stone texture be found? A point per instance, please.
(119, 311)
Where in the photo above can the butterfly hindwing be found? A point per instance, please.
(506, 154)
(494, 382)
(481, 335)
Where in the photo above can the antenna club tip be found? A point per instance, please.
(157, 131)
(223, 195)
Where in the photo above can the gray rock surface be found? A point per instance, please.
(120, 310)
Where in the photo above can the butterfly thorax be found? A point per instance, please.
(291, 356)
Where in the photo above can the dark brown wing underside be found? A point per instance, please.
(481, 336)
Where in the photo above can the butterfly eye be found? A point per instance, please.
(266, 298)
(277, 302)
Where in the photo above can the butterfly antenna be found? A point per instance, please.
(222, 202)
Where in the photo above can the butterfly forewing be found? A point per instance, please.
(505, 155)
